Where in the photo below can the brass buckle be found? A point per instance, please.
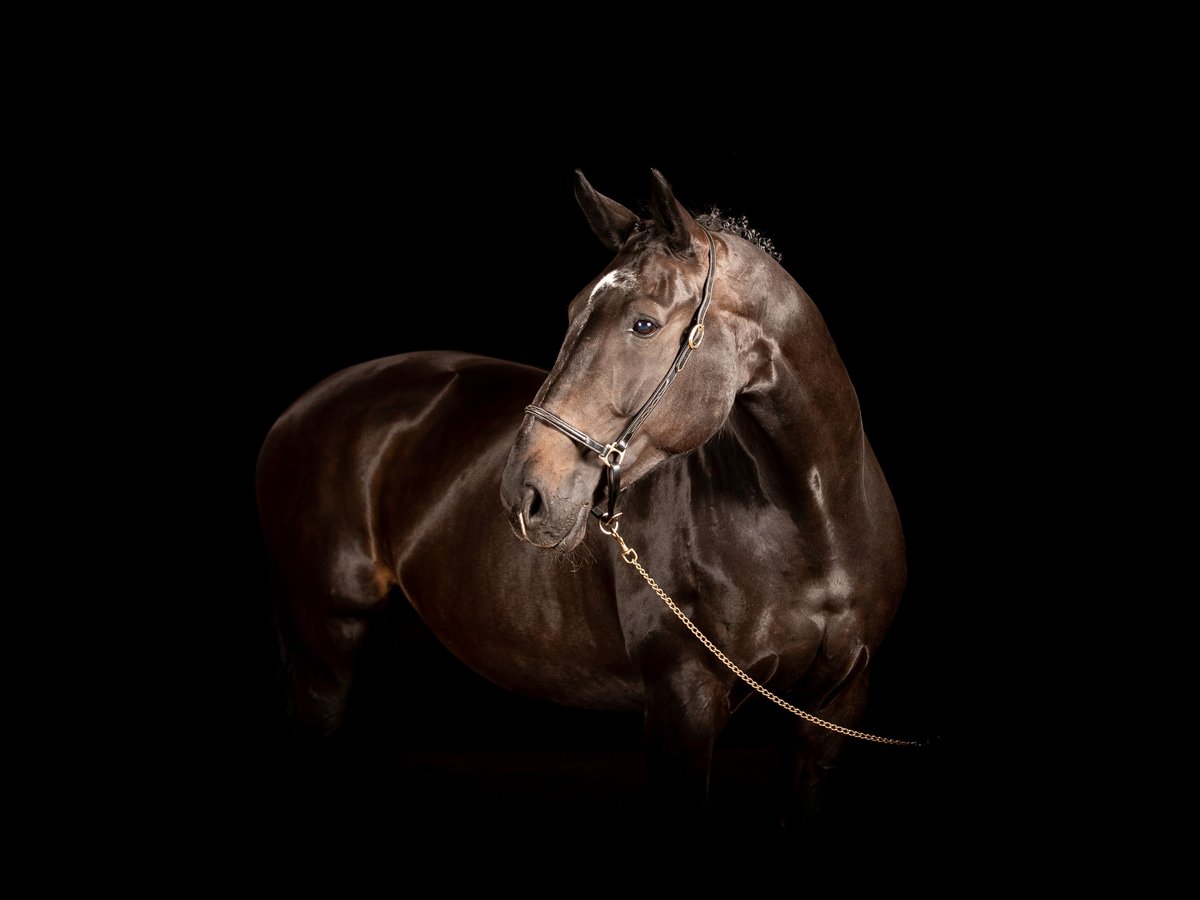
(608, 452)
(696, 337)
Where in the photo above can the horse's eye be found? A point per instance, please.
(645, 327)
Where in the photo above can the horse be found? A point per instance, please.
(731, 462)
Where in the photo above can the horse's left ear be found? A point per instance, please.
(670, 215)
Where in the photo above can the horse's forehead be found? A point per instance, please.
(653, 274)
(624, 277)
(652, 263)
(649, 276)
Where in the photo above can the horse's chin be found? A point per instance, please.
(574, 536)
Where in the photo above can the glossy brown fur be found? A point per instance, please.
(754, 498)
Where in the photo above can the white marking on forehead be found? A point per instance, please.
(617, 278)
(622, 278)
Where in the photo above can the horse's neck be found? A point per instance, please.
(800, 419)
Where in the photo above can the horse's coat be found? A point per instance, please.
(753, 497)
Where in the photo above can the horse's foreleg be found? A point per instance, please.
(686, 708)
(811, 754)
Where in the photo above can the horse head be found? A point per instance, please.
(626, 331)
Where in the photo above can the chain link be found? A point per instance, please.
(629, 555)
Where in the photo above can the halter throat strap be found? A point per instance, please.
(612, 454)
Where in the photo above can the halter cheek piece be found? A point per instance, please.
(612, 453)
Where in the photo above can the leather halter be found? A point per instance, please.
(612, 453)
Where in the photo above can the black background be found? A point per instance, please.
(324, 236)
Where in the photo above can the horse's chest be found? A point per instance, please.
(767, 589)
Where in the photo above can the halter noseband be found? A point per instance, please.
(611, 454)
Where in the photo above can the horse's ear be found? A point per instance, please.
(670, 215)
(610, 221)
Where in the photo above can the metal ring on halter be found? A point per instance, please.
(601, 524)
(606, 454)
(694, 339)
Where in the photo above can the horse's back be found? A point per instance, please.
(384, 391)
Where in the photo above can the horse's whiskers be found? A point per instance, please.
(577, 557)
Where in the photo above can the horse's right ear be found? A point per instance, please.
(610, 221)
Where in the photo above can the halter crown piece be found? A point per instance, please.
(612, 453)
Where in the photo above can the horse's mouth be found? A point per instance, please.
(570, 539)
(574, 534)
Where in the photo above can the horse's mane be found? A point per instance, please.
(713, 220)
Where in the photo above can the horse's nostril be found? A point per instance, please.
(535, 502)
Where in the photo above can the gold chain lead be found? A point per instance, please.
(629, 555)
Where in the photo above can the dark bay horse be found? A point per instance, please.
(749, 491)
